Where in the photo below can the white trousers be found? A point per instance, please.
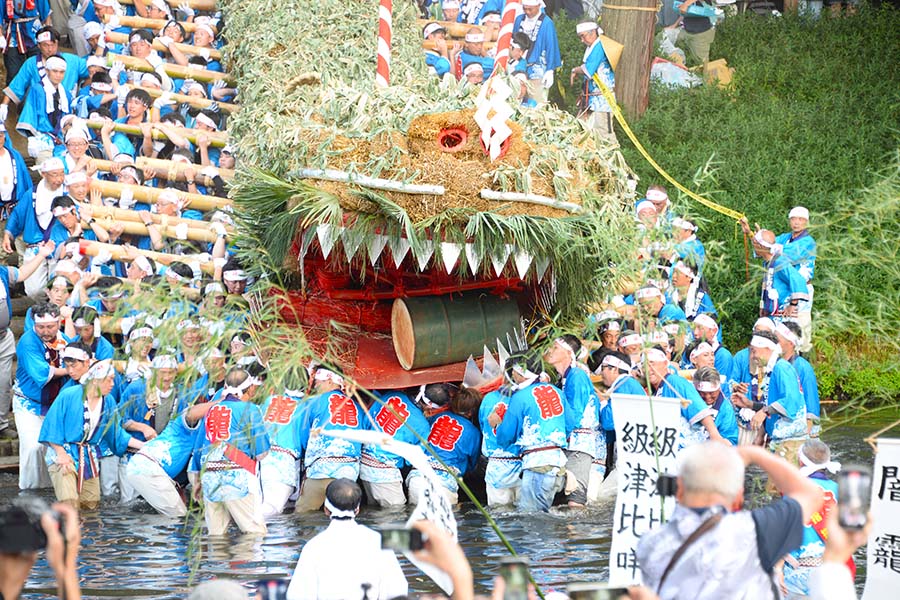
(155, 486)
(275, 497)
(109, 476)
(385, 494)
(129, 494)
(417, 485)
(36, 284)
(501, 496)
(32, 469)
(246, 512)
(7, 353)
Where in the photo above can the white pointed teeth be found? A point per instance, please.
(376, 247)
(450, 255)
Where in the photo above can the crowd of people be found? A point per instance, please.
(119, 395)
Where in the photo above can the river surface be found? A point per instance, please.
(136, 553)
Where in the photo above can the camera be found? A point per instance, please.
(514, 571)
(666, 485)
(854, 493)
(594, 591)
(20, 526)
(402, 539)
(271, 589)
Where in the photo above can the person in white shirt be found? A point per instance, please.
(346, 562)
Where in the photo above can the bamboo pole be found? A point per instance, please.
(632, 24)
(205, 5)
(429, 45)
(121, 214)
(195, 102)
(169, 230)
(454, 29)
(91, 248)
(217, 139)
(370, 182)
(142, 193)
(145, 23)
(166, 169)
(530, 199)
(122, 38)
(172, 70)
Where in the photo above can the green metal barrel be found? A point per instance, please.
(439, 330)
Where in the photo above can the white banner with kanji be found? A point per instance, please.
(646, 446)
(883, 551)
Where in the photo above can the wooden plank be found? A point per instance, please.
(122, 38)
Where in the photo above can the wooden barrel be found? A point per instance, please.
(438, 330)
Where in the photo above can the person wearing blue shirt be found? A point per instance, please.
(225, 463)
(699, 423)
(452, 437)
(278, 472)
(788, 333)
(775, 397)
(582, 414)
(379, 470)
(690, 292)
(615, 371)
(40, 375)
(799, 247)
(653, 307)
(473, 52)
(708, 384)
(16, 186)
(84, 327)
(20, 27)
(472, 11)
(706, 329)
(535, 421)
(502, 476)
(78, 420)
(151, 472)
(783, 288)
(595, 111)
(327, 458)
(543, 58)
(688, 248)
(437, 58)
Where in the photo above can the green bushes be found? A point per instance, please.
(811, 119)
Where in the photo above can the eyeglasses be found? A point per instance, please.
(76, 144)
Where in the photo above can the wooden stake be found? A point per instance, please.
(632, 22)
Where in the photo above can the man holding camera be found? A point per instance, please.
(710, 548)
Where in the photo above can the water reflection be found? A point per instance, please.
(142, 554)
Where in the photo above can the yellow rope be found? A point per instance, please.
(611, 99)
(640, 8)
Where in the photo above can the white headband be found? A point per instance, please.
(765, 323)
(630, 340)
(760, 342)
(799, 211)
(683, 224)
(474, 38)
(140, 332)
(612, 361)
(656, 355)
(239, 390)
(644, 205)
(705, 320)
(758, 238)
(647, 292)
(142, 263)
(337, 513)
(707, 386)
(562, 344)
(809, 467)
(164, 361)
(207, 29)
(782, 330)
(585, 27)
(323, 374)
(684, 268)
(99, 370)
(63, 210)
(701, 348)
(421, 397)
(656, 195)
(74, 353)
(44, 36)
(46, 318)
(188, 324)
(202, 118)
(234, 275)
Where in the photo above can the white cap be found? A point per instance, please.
(52, 164)
(644, 205)
(585, 27)
(92, 29)
(55, 63)
(799, 211)
(472, 68)
(76, 177)
(77, 132)
(96, 61)
(432, 28)
(168, 195)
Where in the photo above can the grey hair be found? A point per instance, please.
(707, 375)
(219, 589)
(712, 468)
(817, 451)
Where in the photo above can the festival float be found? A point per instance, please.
(411, 224)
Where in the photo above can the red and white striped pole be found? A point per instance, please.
(383, 69)
(505, 36)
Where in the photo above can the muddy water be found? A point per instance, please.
(136, 553)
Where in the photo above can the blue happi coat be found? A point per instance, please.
(812, 548)
(133, 405)
(436, 63)
(486, 62)
(535, 421)
(326, 456)
(457, 442)
(23, 222)
(582, 411)
(23, 188)
(282, 414)
(33, 372)
(676, 386)
(172, 448)
(723, 411)
(596, 61)
(782, 284)
(624, 384)
(809, 385)
(544, 53)
(232, 439)
(472, 11)
(67, 425)
(400, 418)
(783, 393)
(504, 470)
(801, 251)
(22, 24)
